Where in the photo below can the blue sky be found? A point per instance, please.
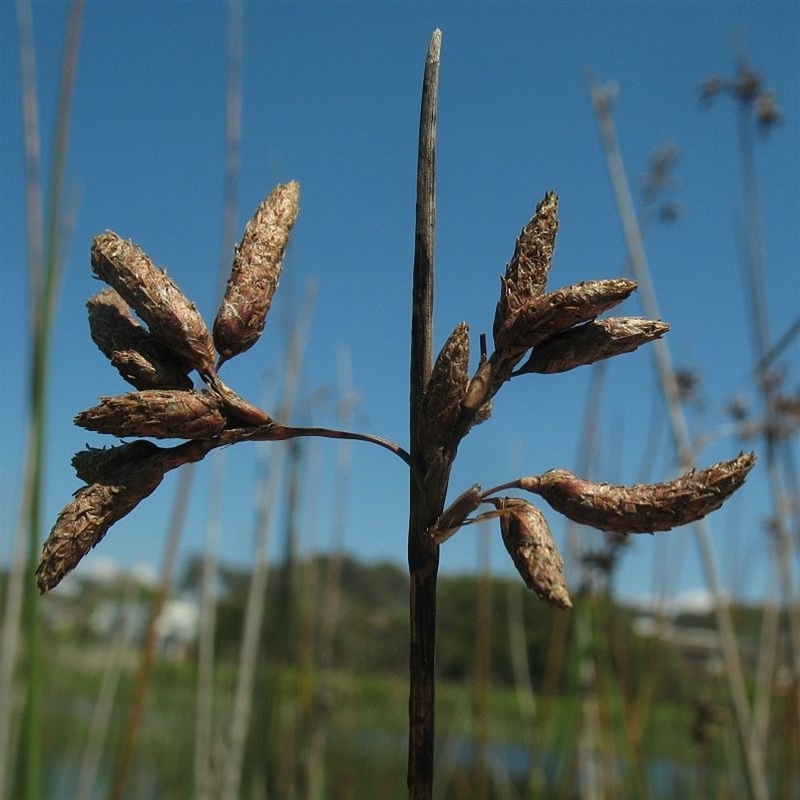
(331, 98)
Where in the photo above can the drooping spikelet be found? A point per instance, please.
(160, 413)
(592, 341)
(641, 508)
(530, 544)
(256, 271)
(127, 478)
(526, 273)
(171, 317)
(138, 356)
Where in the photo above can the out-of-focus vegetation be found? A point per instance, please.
(661, 674)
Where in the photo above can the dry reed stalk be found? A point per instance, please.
(752, 757)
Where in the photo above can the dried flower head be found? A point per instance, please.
(96, 463)
(170, 316)
(526, 273)
(256, 271)
(553, 313)
(160, 413)
(530, 544)
(641, 508)
(122, 482)
(446, 389)
(139, 358)
(592, 341)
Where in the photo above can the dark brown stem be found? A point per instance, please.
(426, 500)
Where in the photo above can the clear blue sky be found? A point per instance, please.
(331, 98)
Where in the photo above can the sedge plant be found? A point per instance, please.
(536, 331)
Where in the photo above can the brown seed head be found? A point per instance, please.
(446, 389)
(137, 355)
(256, 270)
(592, 341)
(125, 476)
(95, 463)
(160, 413)
(173, 320)
(526, 273)
(530, 544)
(641, 508)
(553, 313)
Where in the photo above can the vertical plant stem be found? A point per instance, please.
(768, 386)
(254, 610)
(752, 757)
(104, 705)
(144, 674)
(204, 790)
(426, 502)
(44, 264)
(483, 664)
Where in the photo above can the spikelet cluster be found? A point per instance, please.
(155, 351)
(536, 331)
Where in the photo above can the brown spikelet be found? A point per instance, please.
(127, 478)
(530, 544)
(641, 508)
(256, 271)
(136, 354)
(96, 463)
(553, 313)
(446, 389)
(172, 319)
(160, 413)
(454, 516)
(526, 273)
(592, 341)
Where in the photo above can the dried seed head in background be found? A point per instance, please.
(161, 413)
(526, 273)
(136, 354)
(445, 391)
(172, 319)
(641, 508)
(530, 544)
(256, 271)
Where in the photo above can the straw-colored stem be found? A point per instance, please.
(104, 705)
(144, 675)
(254, 609)
(204, 790)
(752, 757)
(756, 279)
(44, 263)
